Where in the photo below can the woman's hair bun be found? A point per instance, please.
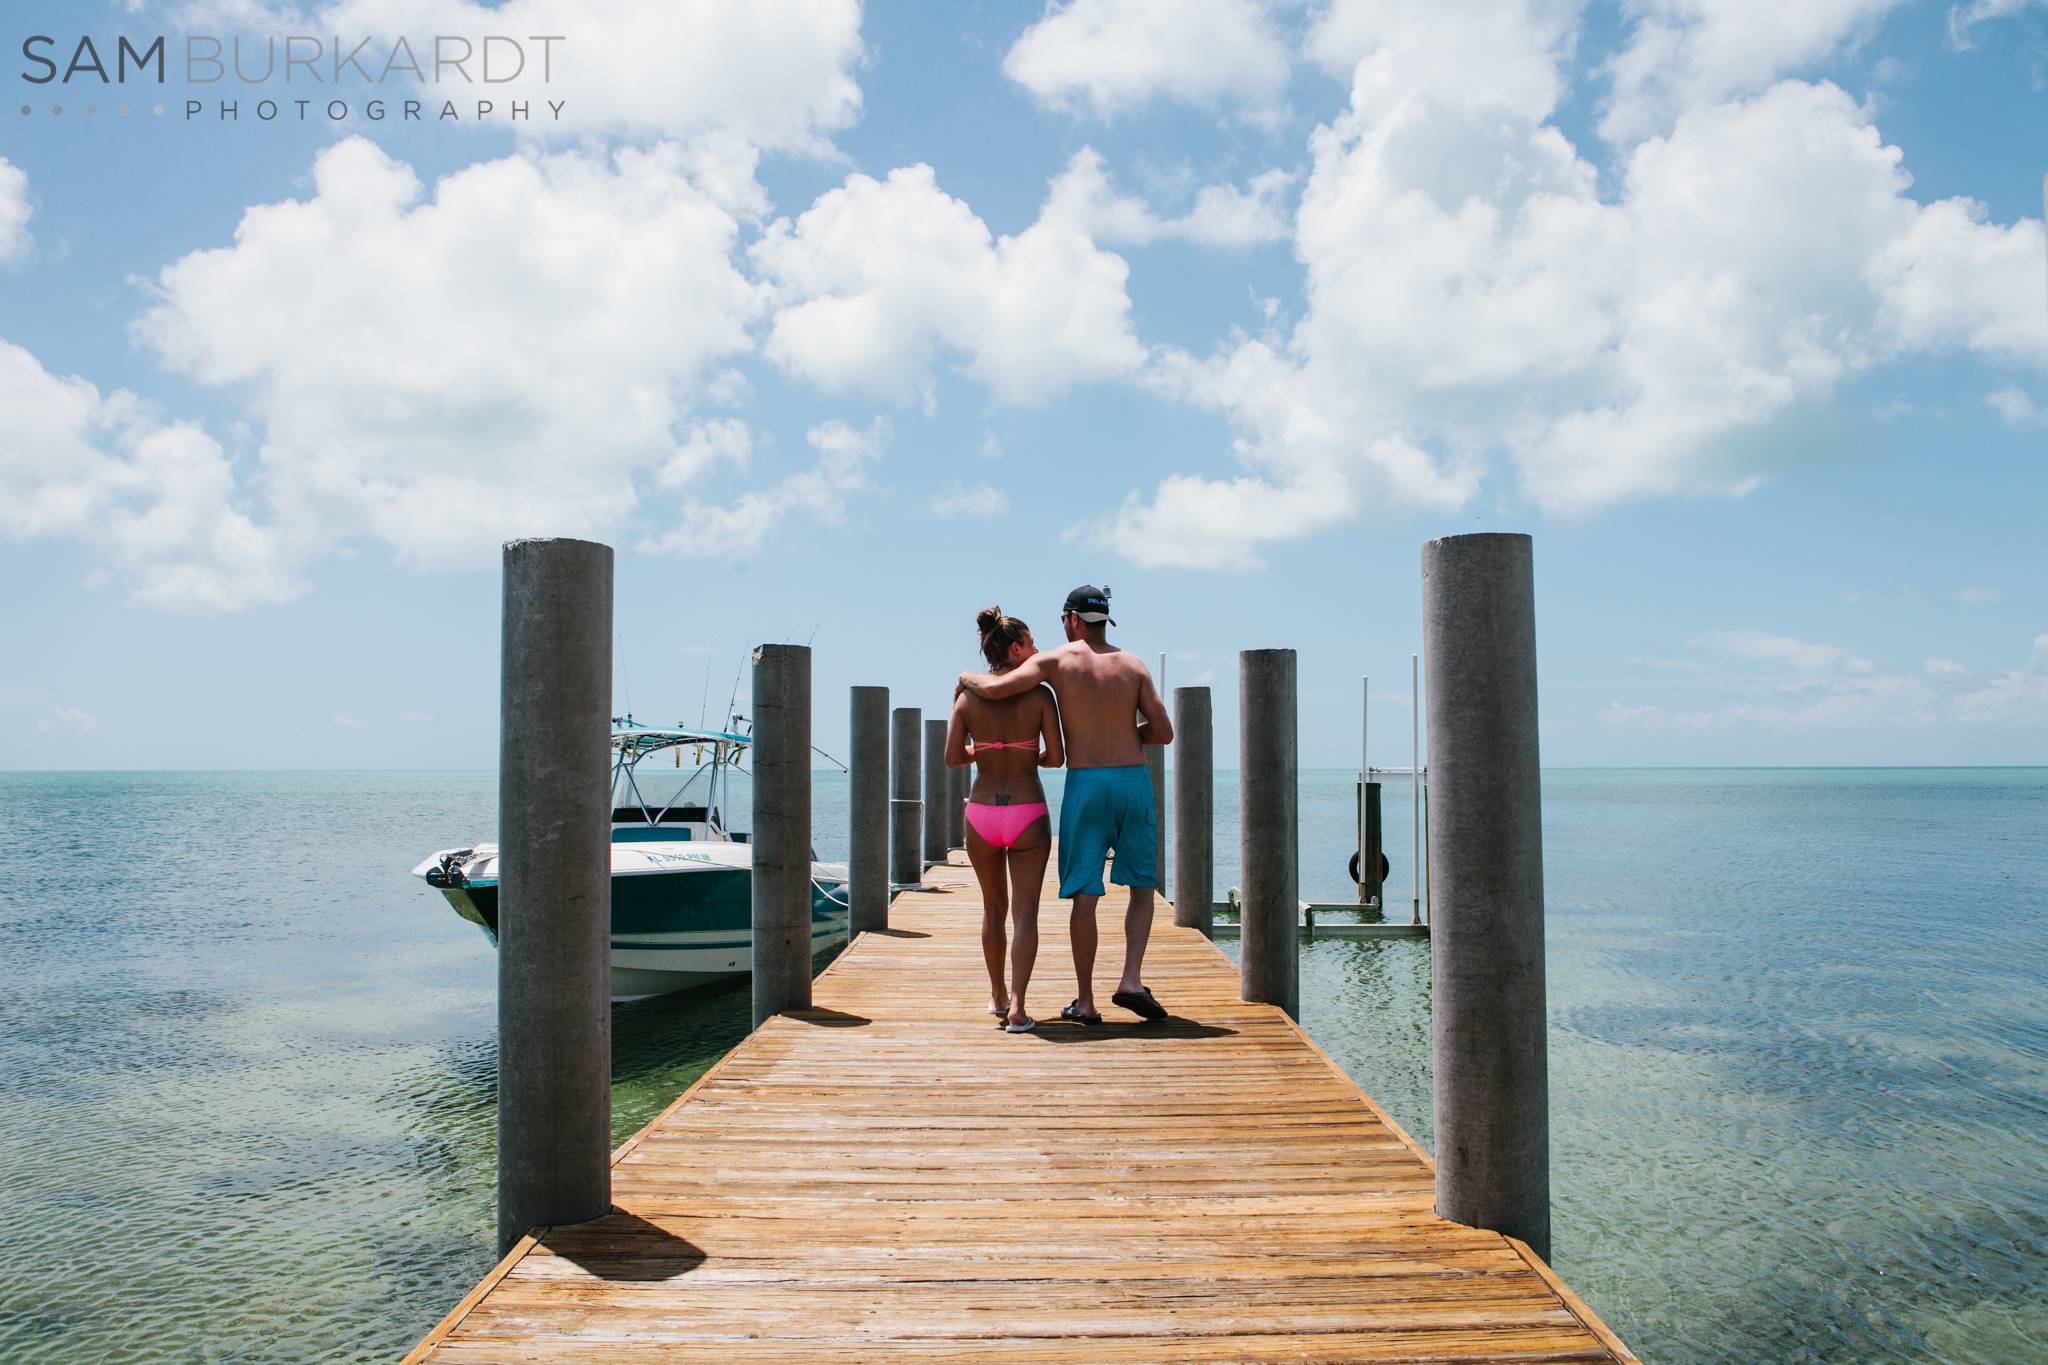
(998, 633)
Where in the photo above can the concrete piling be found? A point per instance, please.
(1155, 768)
(1488, 1027)
(1194, 810)
(782, 830)
(554, 887)
(906, 808)
(935, 783)
(1372, 885)
(1161, 784)
(867, 864)
(958, 780)
(1269, 769)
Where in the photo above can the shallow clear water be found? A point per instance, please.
(1798, 1046)
(1797, 1051)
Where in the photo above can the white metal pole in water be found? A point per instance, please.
(1415, 770)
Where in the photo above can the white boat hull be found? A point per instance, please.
(679, 916)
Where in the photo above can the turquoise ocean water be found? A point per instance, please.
(1799, 1034)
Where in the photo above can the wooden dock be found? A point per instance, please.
(890, 1176)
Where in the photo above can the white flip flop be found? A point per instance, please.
(1025, 1027)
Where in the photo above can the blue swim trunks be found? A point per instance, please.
(1104, 809)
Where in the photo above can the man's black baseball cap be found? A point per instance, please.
(1090, 603)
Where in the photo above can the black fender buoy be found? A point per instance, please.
(1385, 867)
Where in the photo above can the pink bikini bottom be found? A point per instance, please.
(1003, 825)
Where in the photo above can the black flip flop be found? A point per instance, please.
(1140, 1001)
(1072, 1014)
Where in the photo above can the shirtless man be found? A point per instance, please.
(1109, 710)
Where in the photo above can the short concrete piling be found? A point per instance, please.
(867, 863)
(1155, 768)
(935, 783)
(1161, 784)
(957, 782)
(1372, 850)
(1194, 810)
(1487, 1033)
(554, 887)
(1269, 771)
(782, 830)
(906, 807)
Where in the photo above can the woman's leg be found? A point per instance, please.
(1027, 880)
(995, 897)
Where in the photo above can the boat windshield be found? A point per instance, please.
(659, 787)
(673, 776)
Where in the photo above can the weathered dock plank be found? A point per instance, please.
(891, 1176)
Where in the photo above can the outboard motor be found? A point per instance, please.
(449, 872)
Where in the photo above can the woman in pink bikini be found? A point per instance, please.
(1008, 835)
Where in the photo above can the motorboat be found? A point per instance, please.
(682, 878)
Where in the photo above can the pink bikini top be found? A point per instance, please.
(1030, 744)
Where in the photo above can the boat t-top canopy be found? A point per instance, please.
(634, 742)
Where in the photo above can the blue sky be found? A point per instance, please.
(841, 323)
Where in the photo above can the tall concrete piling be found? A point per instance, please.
(958, 780)
(782, 830)
(867, 864)
(906, 807)
(934, 793)
(1487, 1031)
(1269, 770)
(1155, 768)
(1194, 810)
(554, 887)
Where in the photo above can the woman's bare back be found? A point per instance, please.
(1009, 775)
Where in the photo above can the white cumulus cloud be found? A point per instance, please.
(67, 720)
(1107, 55)
(2016, 406)
(880, 278)
(721, 439)
(1800, 654)
(978, 501)
(2018, 696)
(739, 530)
(1826, 687)
(497, 360)
(1222, 215)
(15, 242)
(157, 499)
(1494, 53)
(1474, 299)
(1682, 54)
